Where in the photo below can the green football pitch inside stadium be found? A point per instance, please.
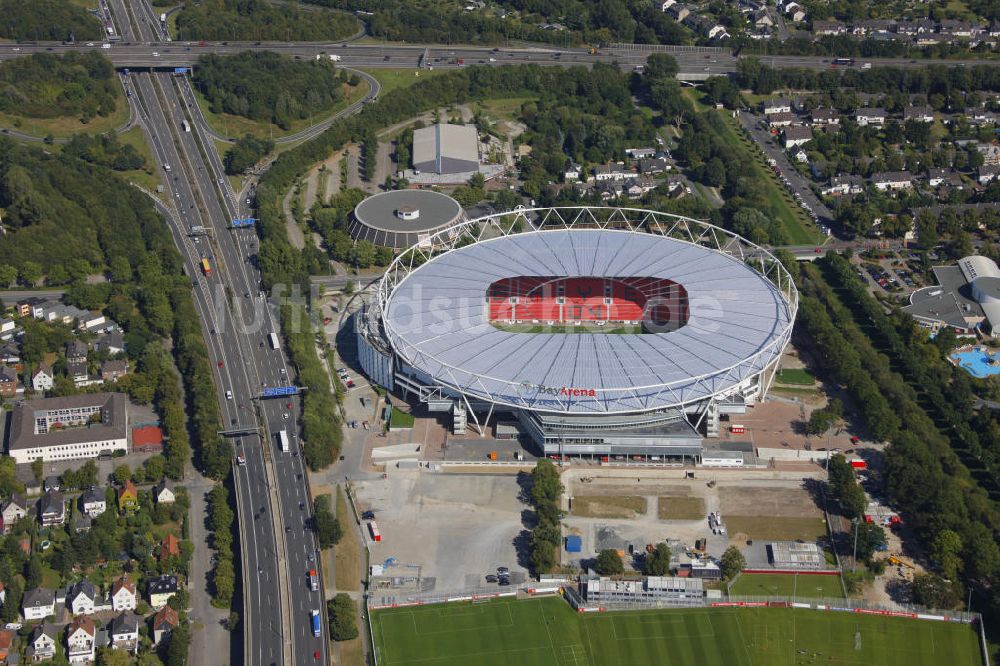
(547, 632)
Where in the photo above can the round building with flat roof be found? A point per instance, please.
(403, 218)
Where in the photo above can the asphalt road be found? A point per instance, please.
(796, 182)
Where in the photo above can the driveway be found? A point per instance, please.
(797, 183)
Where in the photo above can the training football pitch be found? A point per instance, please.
(788, 585)
(547, 632)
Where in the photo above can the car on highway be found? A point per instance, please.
(285, 416)
(221, 364)
(155, 54)
(229, 395)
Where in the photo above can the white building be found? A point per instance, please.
(81, 640)
(41, 379)
(69, 428)
(123, 595)
(81, 598)
(865, 117)
(893, 180)
(93, 502)
(38, 604)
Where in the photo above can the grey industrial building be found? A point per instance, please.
(445, 148)
(403, 218)
(966, 299)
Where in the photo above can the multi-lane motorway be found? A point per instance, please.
(278, 547)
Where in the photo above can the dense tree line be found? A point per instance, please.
(925, 476)
(53, 20)
(245, 153)
(342, 616)
(260, 20)
(105, 150)
(546, 536)
(937, 79)
(44, 85)
(331, 222)
(583, 21)
(221, 520)
(327, 527)
(267, 87)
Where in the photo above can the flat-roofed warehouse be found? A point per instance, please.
(794, 555)
(444, 148)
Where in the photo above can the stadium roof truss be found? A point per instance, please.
(636, 220)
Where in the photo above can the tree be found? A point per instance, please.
(543, 553)
(180, 601)
(945, 550)
(871, 538)
(732, 562)
(122, 474)
(38, 469)
(545, 484)
(33, 571)
(107, 656)
(341, 614)
(8, 477)
(177, 648)
(609, 563)
(934, 592)
(31, 273)
(7, 275)
(661, 66)
(658, 562)
(328, 529)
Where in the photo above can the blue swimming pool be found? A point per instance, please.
(977, 362)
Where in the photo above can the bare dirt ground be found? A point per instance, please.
(312, 186)
(332, 185)
(353, 173)
(384, 166)
(752, 500)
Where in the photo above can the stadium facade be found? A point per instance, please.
(600, 331)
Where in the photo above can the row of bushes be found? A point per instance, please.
(546, 489)
(220, 520)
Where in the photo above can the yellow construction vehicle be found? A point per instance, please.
(900, 562)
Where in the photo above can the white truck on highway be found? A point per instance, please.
(333, 57)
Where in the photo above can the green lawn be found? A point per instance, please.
(788, 585)
(799, 376)
(390, 79)
(400, 419)
(547, 632)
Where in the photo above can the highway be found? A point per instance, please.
(693, 64)
(273, 509)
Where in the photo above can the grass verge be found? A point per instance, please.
(799, 376)
(608, 506)
(391, 79)
(65, 126)
(347, 553)
(680, 508)
(776, 528)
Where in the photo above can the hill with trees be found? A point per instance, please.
(267, 87)
(49, 86)
(105, 150)
(52, 20)
(260, 20)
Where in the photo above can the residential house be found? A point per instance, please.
(821, 28)
(80, 522)
(634, 188)
(128, 496)
(52, 509)
(81, 598)
(163, 494)
(10, 352)
(14, 509)
(123, 594)
(936, 177)
(8, 382)
(6, 644)
(124, 632)
(112, 370)
(990, 153)
(170, 546)
(89, 321)
(640, 153)
(870, 116)
(113, 343)
(3, 593)
(608, 189)
(678, 12)
(762, 18)
(93, 501)
(796, 136)
(38, 604)
(923, 114)
(777, 106)
(664, 5)
(77, 371)
(824, 117)
(76, 351)
(81, 640)
(7, 328)
(572, 173)
(797, 14)
(987, 173)
(781, 119)
(147, 439)
(656, 165)
(42, 643)
(41, 378)
(164, 622)
(611, 171)
(844, 184)
(893, 180)
(160, 589)
(24, 307)
(51, 482)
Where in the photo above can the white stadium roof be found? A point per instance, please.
(436, 320)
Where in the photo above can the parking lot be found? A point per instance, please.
(451, 530)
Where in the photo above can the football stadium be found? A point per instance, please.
(590, 330)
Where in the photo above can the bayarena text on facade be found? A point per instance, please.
(586, 330)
